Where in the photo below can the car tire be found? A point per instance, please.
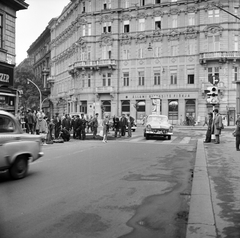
(19, 168)
(169, 137)
(147, 137)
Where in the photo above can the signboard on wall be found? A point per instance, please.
(6, 75)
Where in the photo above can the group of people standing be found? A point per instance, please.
(215, 125)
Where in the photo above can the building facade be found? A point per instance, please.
(39, 53)
(8, 95)
(111, 56)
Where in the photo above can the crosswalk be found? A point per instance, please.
(174, 140)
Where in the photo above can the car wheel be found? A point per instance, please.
(147, 137)
(19, 168)
(169, 137)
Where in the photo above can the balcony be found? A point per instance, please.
(221, 56)
(83, 65)
(104, 89)
(106, 63)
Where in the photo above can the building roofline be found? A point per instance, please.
(16, 4)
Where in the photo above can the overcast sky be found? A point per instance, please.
(30, 23)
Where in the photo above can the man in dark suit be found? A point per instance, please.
(217, 123)
(123, 123)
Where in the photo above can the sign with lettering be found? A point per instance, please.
(6, 75)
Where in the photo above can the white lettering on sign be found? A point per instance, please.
(4, 78)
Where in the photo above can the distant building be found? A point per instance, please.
(39, 53)
(113, 56)
(8, 95)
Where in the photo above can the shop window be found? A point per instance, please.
(107, 106)
(190, 108)
(125, 106)
(173, 110)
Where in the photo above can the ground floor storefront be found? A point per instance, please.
(176, 105)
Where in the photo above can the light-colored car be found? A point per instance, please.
(17, 148)
(158, 125)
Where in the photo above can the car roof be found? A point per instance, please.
(5, 113)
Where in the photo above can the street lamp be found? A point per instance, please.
(40, 103)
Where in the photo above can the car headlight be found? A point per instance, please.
(148, 127)
(170, 128)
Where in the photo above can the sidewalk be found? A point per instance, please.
(215, 197)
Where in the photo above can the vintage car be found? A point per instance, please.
(158, 125)
(17, 148)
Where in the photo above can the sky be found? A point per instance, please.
(30, 23)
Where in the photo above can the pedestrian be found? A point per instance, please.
(218, 126)
(50, 131)
(95, 125)
(30, 121)
(105, 124)
(66, 122)
(237, 134)
(116, 126)
(210, 128)
(83, 126)
(78, 127)
(73, 126)
(129, 125)
(123, 125)
(57, 126)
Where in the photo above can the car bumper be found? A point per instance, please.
(40, 154)
(159, 133)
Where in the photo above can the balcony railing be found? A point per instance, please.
(219, 55)
(105, 89)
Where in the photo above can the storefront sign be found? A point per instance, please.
(167, 95)
(6, 75)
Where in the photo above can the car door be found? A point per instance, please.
(7, 133)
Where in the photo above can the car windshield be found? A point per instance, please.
(158, 119)
(6, 124)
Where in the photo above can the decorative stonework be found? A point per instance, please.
(141, 38)
(213, 30)
(106, 18)
(81, 42)
(174, 35)
(158, 13)
(157, 36)
(141, 15)
(211, 6)
(126, 17)
(191, 9)
(190, 33)
(174, 11)
(126, 39)
(106, 40)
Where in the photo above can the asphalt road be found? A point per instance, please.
(92, 189)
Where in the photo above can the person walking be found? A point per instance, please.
(123, 125)
(66, 122)
(217, 124)
(105, 124)
(116, 127)
(73, 126)
(129, 125)
(95, 125)
(209, 132)
(237, 134)
(78, 127)
(83, 126)
(57, 126)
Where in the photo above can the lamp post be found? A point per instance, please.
(40, 103)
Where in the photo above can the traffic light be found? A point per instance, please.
(213, 95)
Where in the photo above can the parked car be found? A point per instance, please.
(17, 148)
(158, 125)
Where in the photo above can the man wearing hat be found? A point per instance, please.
(218, 125)
(210, 128)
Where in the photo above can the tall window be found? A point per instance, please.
(141, 78)
(106, 52)
(126, 54)
(107, 27)
(141, 24)
(126, 106)
(174, 21)
(212, 71)
(89, 29)
(173, 77)
(89, 80)
(140, 53)
(107, 4)
(157, 23)
(126, 79)
(236, 43)
(126, 26)
(191, 47)
(235, 9)
(84, 30)
(191, 19)
(104, 80)
(109, 75)
(213, 16)
(157, 51)
(89, 53)
(213, 43)
(83, 7)
(142, 2)
(174, 48)
(157, 78)
(126, 4)
(235, 73)
(89, 6)
(1, 31)
(173, 110)
(157, 1)
(190, 76)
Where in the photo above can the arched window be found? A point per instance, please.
(173, 110)
(125, 106)
(107, 106)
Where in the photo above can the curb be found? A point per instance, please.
(201, 222)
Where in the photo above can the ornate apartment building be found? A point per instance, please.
(112, 56)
